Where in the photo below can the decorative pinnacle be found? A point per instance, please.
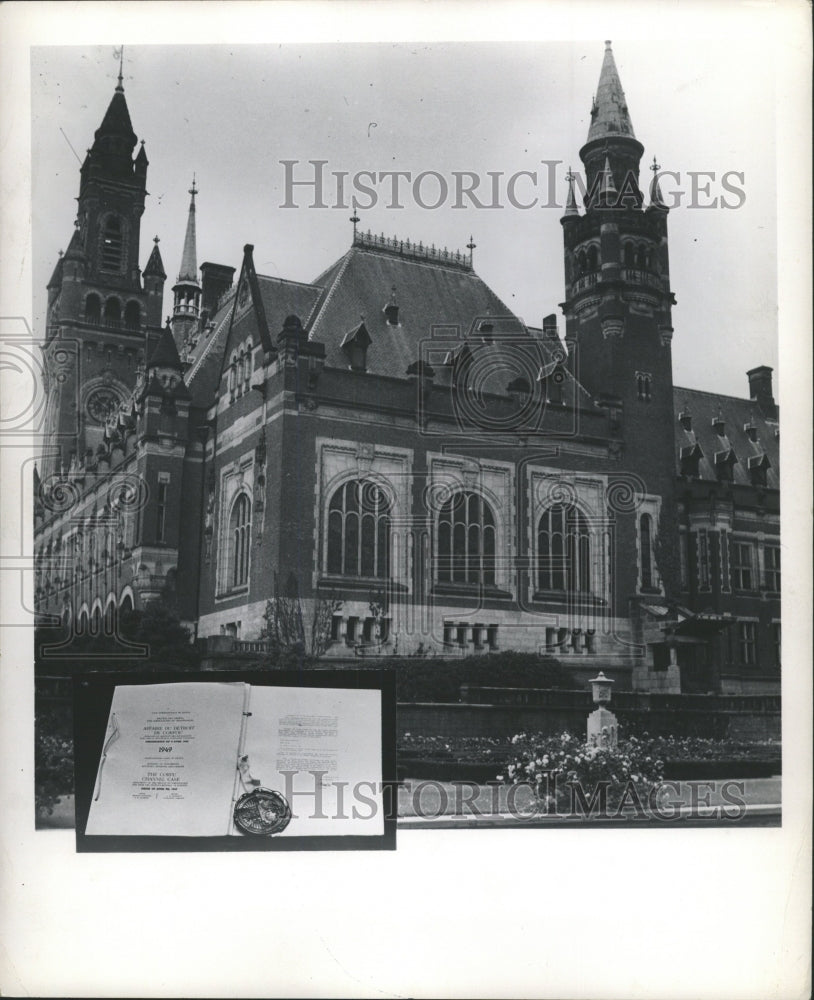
(193, 190)
(470, 246)
(655, 167)
(355, 220)
(156, 240)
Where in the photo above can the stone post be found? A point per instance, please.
(603, 726)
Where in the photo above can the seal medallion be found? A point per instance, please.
(262, 812)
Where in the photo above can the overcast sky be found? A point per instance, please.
(232, 113)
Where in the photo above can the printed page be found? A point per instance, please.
(320, 748)
(169, 761)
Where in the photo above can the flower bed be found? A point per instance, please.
(480, 758)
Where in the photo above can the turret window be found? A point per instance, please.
(644, 386)
(112, 245)
(646, 551)
(161, 511)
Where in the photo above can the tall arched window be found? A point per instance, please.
(466, 540)
(132, 316)
(564, 551)
(93, 308)
(240, 531)
(593, 258)
(233, 374)
(630, 255)
(112, 244)
(646, 550)
(113, 310)
(359, 530)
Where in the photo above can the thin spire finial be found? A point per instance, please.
(470, 246)
(120, 84)
(655, 167)
(193, 190)
(355, 220)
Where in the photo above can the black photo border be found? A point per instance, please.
(93, 695)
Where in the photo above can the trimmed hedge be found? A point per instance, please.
(440, 680)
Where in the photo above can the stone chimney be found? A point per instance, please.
(215, 280)
(760, 390)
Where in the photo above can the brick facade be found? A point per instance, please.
(392, 439)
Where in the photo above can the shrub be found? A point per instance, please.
(553, 765)
(440, 680)
(53, 758)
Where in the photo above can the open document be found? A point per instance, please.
(203, 759)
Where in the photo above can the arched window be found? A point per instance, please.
(359, 530)
(641, 257)
(113, 310)
(93, 309)
(630, 255)
(582, 262)
(112, 244)
(563, 551)
(646, 550)
(240, 530)
(466, 540)
(593, 258)
(132, 316)
(233, 375)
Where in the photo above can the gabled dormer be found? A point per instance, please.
(354, 345)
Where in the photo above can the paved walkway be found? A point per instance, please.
(424, 804)
(443, 805)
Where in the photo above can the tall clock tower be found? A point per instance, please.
(102, 318)
(618, 306)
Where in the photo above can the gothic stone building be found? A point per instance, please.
(389, 442)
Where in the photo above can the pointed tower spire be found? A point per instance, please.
(611, 150)
(571, 210)
(656, 200)
(189, 258)
(607, 189)
(609, 114)
(186, 309)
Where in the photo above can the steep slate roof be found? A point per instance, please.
(703, 408)
(206, 357)
(280, 299)
(165, 354)
(428, 293)
(610, 116)
(155, 265)
(355, 290)
(117, 119)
